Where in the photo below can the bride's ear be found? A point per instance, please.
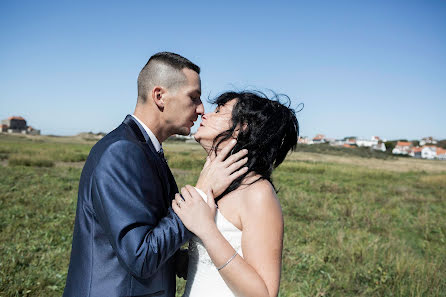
(244, 126)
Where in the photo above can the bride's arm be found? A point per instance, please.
(258, 272)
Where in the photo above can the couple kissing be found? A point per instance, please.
(131, 219)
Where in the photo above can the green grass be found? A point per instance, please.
(353, 231)
(349, 230)
(32, 152)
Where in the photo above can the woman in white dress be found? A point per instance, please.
(237, 250)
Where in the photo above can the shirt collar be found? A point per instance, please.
(155, 142)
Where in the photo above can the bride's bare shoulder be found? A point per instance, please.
(258, 198)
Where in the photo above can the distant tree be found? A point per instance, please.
(390, 145)
(349, 137)
(442, 143)
(415, 142)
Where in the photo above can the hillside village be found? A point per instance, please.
(426, 148)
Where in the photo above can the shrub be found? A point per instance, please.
(23, 161)
(325, 148)
(79, 157)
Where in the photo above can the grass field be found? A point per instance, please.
(354, 226)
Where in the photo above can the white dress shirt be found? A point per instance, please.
(155, 142)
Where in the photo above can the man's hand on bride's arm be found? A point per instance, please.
(219, 172)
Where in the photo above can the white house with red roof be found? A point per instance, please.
(441, 153)
(319, 138)
(402, 148)
(415, 152)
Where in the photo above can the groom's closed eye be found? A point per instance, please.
(195, 96)
(196, 99)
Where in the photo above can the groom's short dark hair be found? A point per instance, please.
(163, 69)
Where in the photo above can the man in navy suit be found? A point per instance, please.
(126, 235)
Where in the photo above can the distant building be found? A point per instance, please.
(366, 142)
(429, 152)
(16, 124)
(30, 130)
(380, 146)
(337, 142)
(346, 142)
(319, 138)
(373, 141)
(427, 140)
(415, 152)
(441, 153)
(402, 148)
(305, 140)
(350, 140)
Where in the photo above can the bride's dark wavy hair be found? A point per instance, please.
(268, 129)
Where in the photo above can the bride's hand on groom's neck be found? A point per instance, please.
(219, 172)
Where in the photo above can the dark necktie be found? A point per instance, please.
(161, 154)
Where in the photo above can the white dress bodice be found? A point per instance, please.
(203, 278)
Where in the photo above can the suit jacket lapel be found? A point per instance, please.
(164, 170)
(173, 184)
(139, 132)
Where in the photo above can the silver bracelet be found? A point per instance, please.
(227, 262)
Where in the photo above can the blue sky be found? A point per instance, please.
(361, 68)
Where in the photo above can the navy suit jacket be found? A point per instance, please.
(126, 234)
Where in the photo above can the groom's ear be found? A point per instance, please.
(158, 96)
